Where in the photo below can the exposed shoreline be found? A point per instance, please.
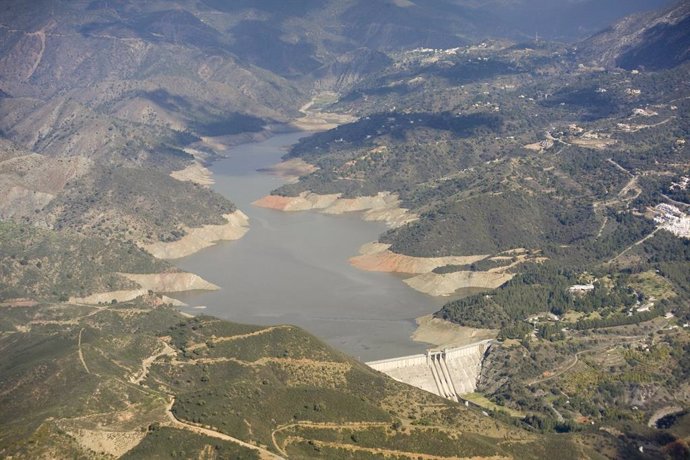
(383, 207)
(314, 120)
(196, 173)
(198, 238)
(444, 285)
(290, 170)
(237, 222)
(156, 282)
(377, 257)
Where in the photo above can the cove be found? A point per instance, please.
(292, 268)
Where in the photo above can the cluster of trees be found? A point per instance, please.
(617, 320)
(480, 266)
(515, 331)
(397, 125)
(542, 288)
(551, 332)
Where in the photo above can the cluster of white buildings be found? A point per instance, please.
(672, 219)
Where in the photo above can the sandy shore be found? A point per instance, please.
(383, 207)
(444, 334)
(198, 238)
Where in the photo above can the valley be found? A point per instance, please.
(214, 214)
(293, 268)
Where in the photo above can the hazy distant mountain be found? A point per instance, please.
(554, 19)
(655, 40)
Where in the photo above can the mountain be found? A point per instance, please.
(547, 181)
(543, 180)
(118, 84)
(651, 41)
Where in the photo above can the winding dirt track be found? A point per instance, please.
(176, 423)
(354, 448)
(334, 426)
(146, 363)
(250, 334)
(637, 243)
(179, 424)
(560, 371)
(81, 354)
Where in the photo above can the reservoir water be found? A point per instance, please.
(292, 268)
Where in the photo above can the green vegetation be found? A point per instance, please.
(568, 172)
(72, 375)
(56, 265)
(496, 146)
(539, 289)
(508, 221)
(164, 443)
(136, 203)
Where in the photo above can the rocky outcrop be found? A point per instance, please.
(383, 207)
(198, 238)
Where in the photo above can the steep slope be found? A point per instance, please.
(652, 41)
(130, 51)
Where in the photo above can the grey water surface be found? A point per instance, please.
(292, 268)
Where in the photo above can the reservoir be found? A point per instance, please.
(292, 268)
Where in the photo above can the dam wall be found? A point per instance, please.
(449, 373)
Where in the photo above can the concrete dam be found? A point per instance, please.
(449, 373)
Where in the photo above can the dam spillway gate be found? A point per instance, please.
(450, 373)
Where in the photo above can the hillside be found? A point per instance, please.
(652, 41)
(548, 179)
(139, 380)
(546, 174)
